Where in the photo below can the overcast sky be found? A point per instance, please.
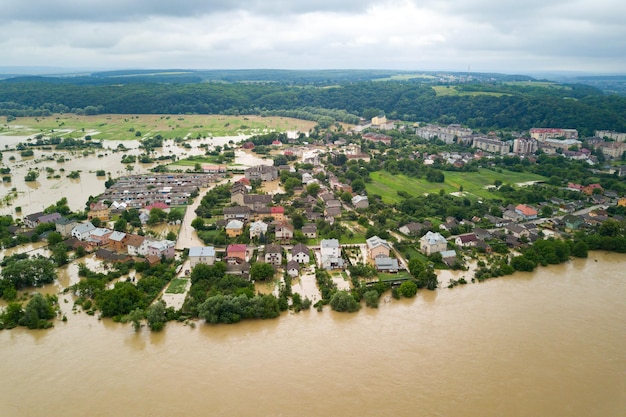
(510, 36)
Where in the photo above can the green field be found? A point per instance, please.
(387, 185)
(126, 127)
(444, 90)
(543, 84)
(177, 286)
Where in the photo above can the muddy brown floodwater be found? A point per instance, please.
(548, 343)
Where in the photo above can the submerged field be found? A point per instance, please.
(130, 127)
(474, 183)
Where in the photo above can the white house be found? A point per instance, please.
(330, 252)
(257, 228)
(432, 243)
(83, 231)
(201, 255)
(300, 254)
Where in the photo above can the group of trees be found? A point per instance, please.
(513, 107)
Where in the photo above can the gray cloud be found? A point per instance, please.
(489, 35)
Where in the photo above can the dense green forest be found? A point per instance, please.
(485, 105)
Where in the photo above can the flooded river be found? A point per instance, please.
(550, 343)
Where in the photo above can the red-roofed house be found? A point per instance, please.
(278, 213)
(236, 251)
(158, 205)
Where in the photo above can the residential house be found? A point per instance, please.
(137, 245)
(293, 268)
(100, 235)
(64, 226)
(257, 201)
(300, 253)
(330, 254)
(237, 213)
(310, 230)
(237, 193)
(360, 202)
(82, 231)
(572, 222)
(377, 247)
(331, 213)
(236, 251)
(386, 264)
(257, 229)
(201, 255)
(496, 221)
(238, 268)
(448, 257)
(273, 254)
(110, 256)
(117, 241)
(284, 231)
(433, 242)
(527, 212)
(98, 210)
(33, 220)
(466, 240)
(261, 172)
(517, 230)
(589, 189)
(162, 248)
(411, 229)
(278, 213)
(234, 228)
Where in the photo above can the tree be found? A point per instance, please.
(10, 317)
(260, 271)
(32, 175)
(54, 238)
(371, 298)
(408, 289)
(580, 249)
(29, 272)
(313, 189)
(155, 315)
(135, 318)
(198, 223)
(120, 225)
(156, 216)
(175, 215)
(37, 312)
(416, 267)
(59, 254)
(343, 301)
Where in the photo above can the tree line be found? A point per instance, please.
(512, 107)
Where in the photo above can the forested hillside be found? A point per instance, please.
(483, 106)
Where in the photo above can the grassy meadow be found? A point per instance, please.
(446, 90)
(126, 127)
(387, 185)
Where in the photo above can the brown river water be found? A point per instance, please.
(548, 343)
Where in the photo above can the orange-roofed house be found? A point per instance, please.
(591, 187)
(527, 212)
